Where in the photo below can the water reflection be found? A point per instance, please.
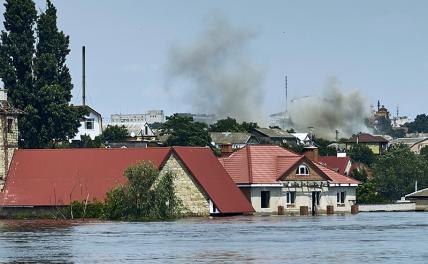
(368, 238)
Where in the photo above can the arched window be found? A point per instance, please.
(302, 170)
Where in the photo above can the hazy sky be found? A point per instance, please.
(377, 47)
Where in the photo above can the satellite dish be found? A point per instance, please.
(132, 134)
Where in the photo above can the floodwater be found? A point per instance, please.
(362, 238)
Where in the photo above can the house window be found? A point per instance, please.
(9, 125)
(291, 197)
(89, 123)
(302, 170)
(265, 196)
(341, 196)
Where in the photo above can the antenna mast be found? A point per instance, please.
(286, 95)
(83, 77)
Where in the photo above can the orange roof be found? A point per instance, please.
(57, 177)
(265, 164)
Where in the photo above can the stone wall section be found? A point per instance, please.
(193, 198)
(8, 144)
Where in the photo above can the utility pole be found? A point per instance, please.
(83, 77)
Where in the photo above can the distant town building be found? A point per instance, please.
(237, 140)
(91, 125)
(415, 144)
(152, 116)
(281, 120)
(377, 144)
(273, 136)
(201, 118)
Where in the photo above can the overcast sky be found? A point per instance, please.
(377, 47)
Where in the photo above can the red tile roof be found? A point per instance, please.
(57, 177)
(366, 138)
(337, 164)
(256, 163)
(208, 172)
(264, 164)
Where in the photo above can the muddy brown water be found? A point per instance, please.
(362, 238)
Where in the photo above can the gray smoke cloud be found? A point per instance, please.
(222, 78)
(334, 109)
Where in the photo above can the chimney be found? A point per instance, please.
(3, 94)
(226, 150)
(311, 153)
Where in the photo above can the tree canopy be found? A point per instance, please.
(396, 172)
(231, 125)
(420, 124)
(114, 133)
(146, 195)
(182, 131)
(37, 77)
(361, 153)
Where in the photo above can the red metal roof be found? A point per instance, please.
(57, 177)
(263, 164)
(210, 174)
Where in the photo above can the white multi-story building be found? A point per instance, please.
(152, 116)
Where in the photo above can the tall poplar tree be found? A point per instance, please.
(36, 76)
(52, 80)
(17, 50)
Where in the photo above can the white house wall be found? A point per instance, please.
(90, 132)
(278, 197)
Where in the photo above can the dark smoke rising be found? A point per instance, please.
(334, 109)
(222, 78)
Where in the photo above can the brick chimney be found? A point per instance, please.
(311, 152)
(226, 150)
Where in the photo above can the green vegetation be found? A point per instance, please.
(323, 148)
(362, 154)
(114, 133)
(420, 124)
(231, 125)
(146, 196)
(182, 131)
(36, 76)
(424, 152)
(394, 175)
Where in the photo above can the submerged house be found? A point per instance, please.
(45, 179)
(273, 179)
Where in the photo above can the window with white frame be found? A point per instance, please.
(302, 170)
(341, 197)
(89, 123)
(291, 197)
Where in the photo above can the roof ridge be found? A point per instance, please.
(250, 168)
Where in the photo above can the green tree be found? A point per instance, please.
(146, 195)
(182, 131)
(396, 172)
(17, 50)
(37, 79)
(361, 153)
(323, 147)
(420, 124)
(114, 133)
(231, 125)
(367, 194)
(424, 152)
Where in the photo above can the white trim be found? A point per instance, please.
(261, 185)
(343, 184)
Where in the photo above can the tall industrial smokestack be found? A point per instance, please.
(83, 77)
